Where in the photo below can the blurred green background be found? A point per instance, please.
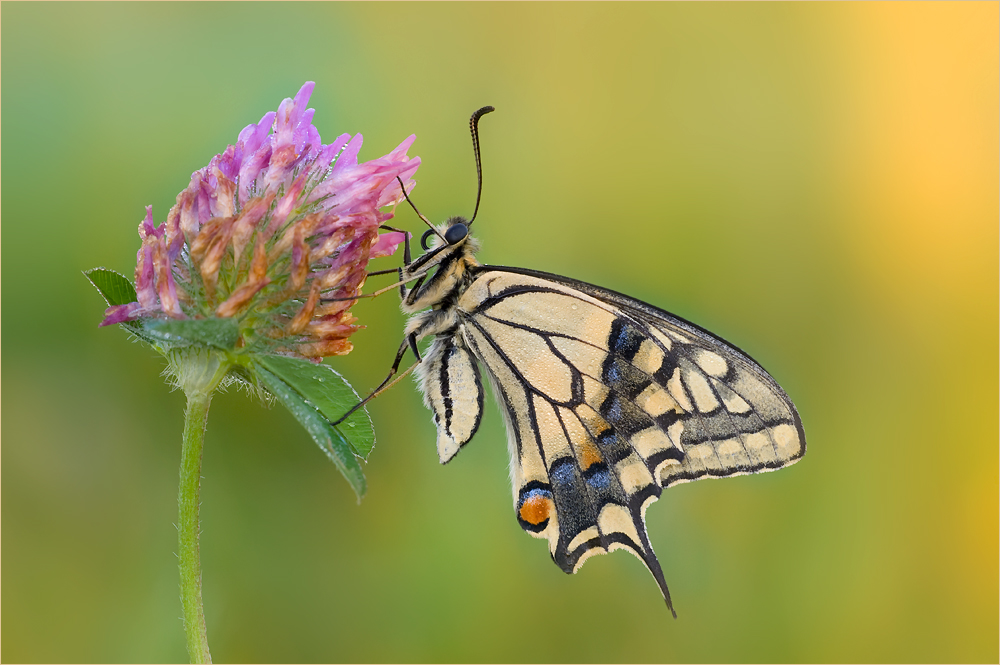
(818, 183)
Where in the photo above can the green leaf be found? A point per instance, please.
(329, 393)
(329, 440)
(114, 287)
(117, 290)
(221, 333)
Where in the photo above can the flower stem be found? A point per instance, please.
(189, 527)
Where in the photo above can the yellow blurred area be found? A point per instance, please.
(923, 148)
(815, 182)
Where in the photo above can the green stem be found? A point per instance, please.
(198, 372)
(189, 527)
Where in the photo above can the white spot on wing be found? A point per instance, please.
(582, 537)
(655, 401)
(650, 441)
(758, 446)
(616, 519)
(649, 358)
(633, 474)
(712, 363)
(702, 456)
(702, 393)
(593, 551)
(679, 337)
(786, 440)
(594, 391)
(732, 455)
(734, 403)
(674, 432)
(677, 391)
(662, 338)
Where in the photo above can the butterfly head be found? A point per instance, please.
(454, 231)
(458, 230)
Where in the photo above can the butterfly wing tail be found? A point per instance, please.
(653, 564)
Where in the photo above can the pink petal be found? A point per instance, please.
(145, 288)
(349, 158)
(387, 244)
(304, 93)
(120, 314)
(165, 286)
(400, 150)
(147, 227)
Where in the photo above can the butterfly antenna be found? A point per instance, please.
(426, 221)
(474, 126)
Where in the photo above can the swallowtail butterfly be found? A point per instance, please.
(607, 400)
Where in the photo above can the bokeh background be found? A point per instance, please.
(817, 183)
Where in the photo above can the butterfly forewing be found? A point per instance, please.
(608, 399)
(729, 416)
(740, 420)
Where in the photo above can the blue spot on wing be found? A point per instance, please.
(561, 473)
(598, 477)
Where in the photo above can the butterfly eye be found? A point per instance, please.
(456, 232)
(423, 239)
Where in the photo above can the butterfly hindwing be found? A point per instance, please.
(567, 489)
(607, 400)
(453, 391)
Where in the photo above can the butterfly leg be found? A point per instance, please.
(406, 243)
(401, 272)
(374, 294)
(409, 343)
(406, 260)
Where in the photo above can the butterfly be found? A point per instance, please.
(607, 400)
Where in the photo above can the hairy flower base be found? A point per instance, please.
(197, 371)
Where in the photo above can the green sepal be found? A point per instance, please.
(329, 393)
(221, 333)
(114, 287)
(332, 442)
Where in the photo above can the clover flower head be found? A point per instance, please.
(276, 233)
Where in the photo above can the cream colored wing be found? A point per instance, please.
(607, 399)
(449, 379)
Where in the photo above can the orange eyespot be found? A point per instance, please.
(536, 509)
